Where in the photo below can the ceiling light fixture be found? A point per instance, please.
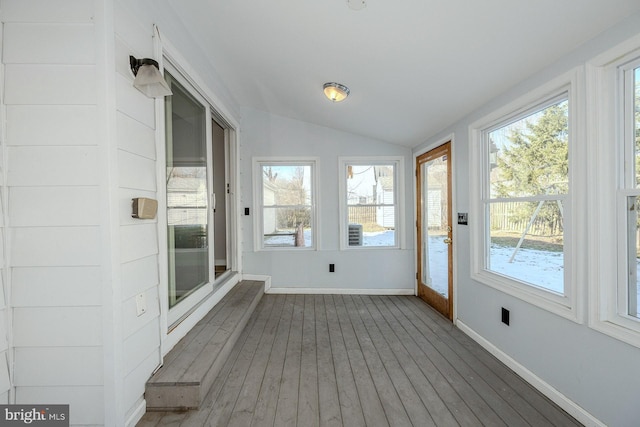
(357, 4)
(148, 79)
(335, 91)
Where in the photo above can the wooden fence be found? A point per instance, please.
(508, 217)
(362, 214)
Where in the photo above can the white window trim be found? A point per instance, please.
(398, 161)
(567, 305)
(257, 201)
(606, 148)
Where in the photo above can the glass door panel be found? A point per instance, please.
(187, 193)
(435, 267)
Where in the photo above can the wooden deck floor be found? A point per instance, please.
(333, 360)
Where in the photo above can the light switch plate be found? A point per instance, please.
(141, 304)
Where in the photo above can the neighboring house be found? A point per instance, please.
(79, 142)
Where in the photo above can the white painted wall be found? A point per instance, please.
(264, 134)
(598, 373)
(53, 189)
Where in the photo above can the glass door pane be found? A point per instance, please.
(435, 230)
(187, 193)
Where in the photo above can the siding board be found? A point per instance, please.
(52, 166)
(55, 246)
(32, 366)
(56, 286)
(137, 346)
(52, 125)
(132, 322)
(49, 43)
(65, 206)
(139, 275)
(134, 103)
(134, 383)
(50, 84)
(42, 326)
(138, 241)
(135, 137)
(48, 11)
(83, 401)
(136, 171)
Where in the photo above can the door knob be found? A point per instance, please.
(448, 241)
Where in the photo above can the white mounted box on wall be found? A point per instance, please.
(144, 208)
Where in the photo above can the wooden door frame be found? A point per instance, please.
(447, 308)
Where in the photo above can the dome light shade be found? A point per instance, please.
(336, 92)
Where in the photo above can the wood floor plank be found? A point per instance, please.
(350, 406)
(265, 410)
(413, 405)
(328, 401)
(351, 360)
(223, 407)
(369, 399)
(447, 392)
(179, 360)
(308, 413)
(287, 406)
(437, 409)
(198, 418)
(534, 406)
(246, 402)
(386, 388)
(502, 401)
(476, 403)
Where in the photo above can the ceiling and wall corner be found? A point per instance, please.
(413, 67)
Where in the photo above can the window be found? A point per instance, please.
(286, 200)
(629, 292)
(370, 212)
(522, 240)
(614, 124)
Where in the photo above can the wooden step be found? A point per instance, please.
(190, 368)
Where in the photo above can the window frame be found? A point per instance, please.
(568, 304)
(258, 183)
(343, 209)
(610, 158)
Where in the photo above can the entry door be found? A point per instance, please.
(435, 254)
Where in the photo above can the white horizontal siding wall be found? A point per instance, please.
(56, 244)
(136, 145)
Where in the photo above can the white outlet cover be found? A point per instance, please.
(141, 304)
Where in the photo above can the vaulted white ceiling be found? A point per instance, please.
(414, 67)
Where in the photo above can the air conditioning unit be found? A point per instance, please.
(355, 234)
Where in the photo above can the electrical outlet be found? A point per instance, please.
(332, 268)
(505, 316)
(141, 304)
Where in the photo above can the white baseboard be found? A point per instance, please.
(343, 291)
(545, 388)
(137, 414)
